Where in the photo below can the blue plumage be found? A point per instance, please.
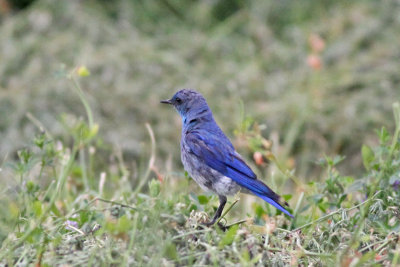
(210, 158)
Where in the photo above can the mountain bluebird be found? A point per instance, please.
(210, 158)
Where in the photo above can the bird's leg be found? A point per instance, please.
(222, 202)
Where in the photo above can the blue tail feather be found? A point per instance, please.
(275, 204)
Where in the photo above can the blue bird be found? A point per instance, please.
(210, 158)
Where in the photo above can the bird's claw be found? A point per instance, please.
(220, 225)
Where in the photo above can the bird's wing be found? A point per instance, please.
(224, 159)
(219, 156)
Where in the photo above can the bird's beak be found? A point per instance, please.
(168, 101)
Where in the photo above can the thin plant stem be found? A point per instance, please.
(83, 168)
(227, 210)
(151, 160)
(335, 212)
(307, 253)
(131, 239)
(83, 99)
(191, 233)
(384, 241)
(238, 222)
(103, 200)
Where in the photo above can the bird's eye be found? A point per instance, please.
(178, 100)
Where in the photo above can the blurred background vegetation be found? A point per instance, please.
(312, 78)
(321, 75)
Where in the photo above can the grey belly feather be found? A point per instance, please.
(207, 178)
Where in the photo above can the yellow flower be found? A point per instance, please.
(83, 71)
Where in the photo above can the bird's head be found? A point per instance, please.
(187, 102)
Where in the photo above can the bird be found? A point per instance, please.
(209, 157)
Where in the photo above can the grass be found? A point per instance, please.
(100, 182)
(59, 214)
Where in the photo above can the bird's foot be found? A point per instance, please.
(209, 224)
(212, 223)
